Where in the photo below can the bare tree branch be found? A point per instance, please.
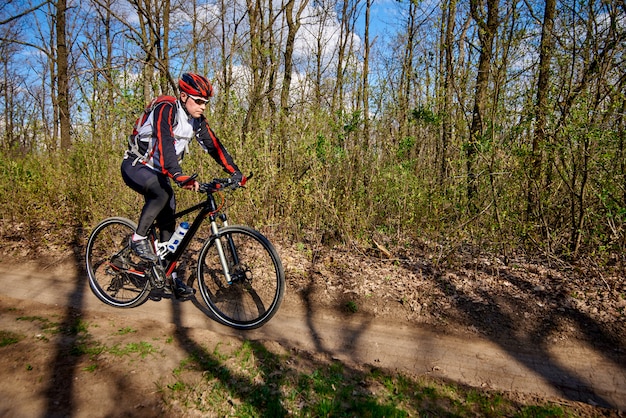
(24, 13)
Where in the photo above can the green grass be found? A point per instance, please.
(251, 381)
(90, 368)
(142, 348)
(125, 330)
(248, 379)
(541, 411)
(45, 324)
(9, 338)
(352, 307)
(83, 343)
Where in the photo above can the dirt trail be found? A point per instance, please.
(570, 370)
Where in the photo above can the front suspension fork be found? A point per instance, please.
(220, 251)
(220, 248)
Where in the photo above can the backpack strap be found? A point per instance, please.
(135, 138)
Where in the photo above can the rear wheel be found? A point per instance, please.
(257, 281)
(116, 276)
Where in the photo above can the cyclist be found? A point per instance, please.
(156, 148)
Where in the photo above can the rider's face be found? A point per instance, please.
(194, 105)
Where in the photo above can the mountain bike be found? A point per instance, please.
(239, 272)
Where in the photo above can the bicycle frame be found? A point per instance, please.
(209, 209)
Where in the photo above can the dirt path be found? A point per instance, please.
(570, 370)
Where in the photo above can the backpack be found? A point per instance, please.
(134, 139)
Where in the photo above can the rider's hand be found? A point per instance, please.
(238, 178)
(192, 185)
(186, 183)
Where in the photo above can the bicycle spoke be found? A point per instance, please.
(114, 276)
(257, 280)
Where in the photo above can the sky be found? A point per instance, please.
(385, 18)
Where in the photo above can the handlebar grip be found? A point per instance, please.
(190, 179)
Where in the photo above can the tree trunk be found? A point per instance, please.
(406, 78)
(63, 94)
(448, 90)
(486, 32)
(293, 26)
(365, 79)
(8, 92)
(154, 22)
(164, 61)
(348, 11)
(258, 64)
(541, 107)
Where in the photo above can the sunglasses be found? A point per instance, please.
(198, 100)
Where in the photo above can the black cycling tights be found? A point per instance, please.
(158, 195)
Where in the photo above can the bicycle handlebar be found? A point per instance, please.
(190, 179)
(218, 185)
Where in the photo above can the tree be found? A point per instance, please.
(365, 88)
(487, 28)
(8, 87)
(293, 26)
(541, 106)
(347, 18)
(154, 28)
(260, 20)
(588, 80)
(448, 86)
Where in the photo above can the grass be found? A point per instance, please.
(45, 324)
(248, 379)
(141, 348)
(83, 343)
(352, 306)
(9, 338)
(125, 330)
(251, 381)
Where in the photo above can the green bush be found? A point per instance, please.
(317, 178)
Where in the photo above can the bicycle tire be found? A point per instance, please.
(110, 264)
(258, 284)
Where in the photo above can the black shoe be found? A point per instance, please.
(180, 289)
(143, 250)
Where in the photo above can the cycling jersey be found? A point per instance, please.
(164, 137)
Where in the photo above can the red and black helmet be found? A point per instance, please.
(195, 85)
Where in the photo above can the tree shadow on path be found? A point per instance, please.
(498, 316)
(60, 392)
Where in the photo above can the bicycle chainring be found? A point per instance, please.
(157, 277)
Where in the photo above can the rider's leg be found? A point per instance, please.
(165, 220)
(157, 193)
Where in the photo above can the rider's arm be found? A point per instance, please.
(214, 147)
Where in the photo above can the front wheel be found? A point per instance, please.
(257, 279)
(116, 276)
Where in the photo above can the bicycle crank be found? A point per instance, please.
(157, 277)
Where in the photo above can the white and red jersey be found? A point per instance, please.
(164, 136)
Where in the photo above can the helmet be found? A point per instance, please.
(195, 85)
